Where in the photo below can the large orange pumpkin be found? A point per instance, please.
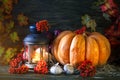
(73, 48)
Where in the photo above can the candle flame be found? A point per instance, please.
(37, 55)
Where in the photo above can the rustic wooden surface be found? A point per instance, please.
(4, 75)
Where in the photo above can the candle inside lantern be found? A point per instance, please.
(40, 53)
(37, 55)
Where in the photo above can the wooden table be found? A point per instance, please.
(4, 75)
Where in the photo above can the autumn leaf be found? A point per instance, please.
(14, 36)
(22, 20)
(85, 19)
(92, 24)
(10, 53)
(9, 25)
(8, 6)
(88, 22)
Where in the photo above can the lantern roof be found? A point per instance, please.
(36, 37)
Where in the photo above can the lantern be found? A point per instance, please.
(36, 47)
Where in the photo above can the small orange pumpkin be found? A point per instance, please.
(73, 48)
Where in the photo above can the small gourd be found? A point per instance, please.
(69, 69)
(56, 69)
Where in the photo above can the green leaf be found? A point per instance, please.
(85, 19)
(10, 53)
(88, 22)
(14, 36)
(92, 24)
(106, 16)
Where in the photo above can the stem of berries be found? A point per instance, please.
(42, 25)
(81, 30)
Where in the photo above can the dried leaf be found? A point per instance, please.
(88, 22)
(85, 19)
(22, 20)
(14, 36)
(10, 25)
(8, 6)
(92, 24)
(10, 53)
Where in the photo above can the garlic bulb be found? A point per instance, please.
(56, 69)
(69, 69)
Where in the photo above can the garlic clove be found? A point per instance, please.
(69, 69)
(56, 69)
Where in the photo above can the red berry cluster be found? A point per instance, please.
(42, 25)
(15, 61)
(41, 67)
(86, 69)
(16, 65)
(80, 31)
(20, 70)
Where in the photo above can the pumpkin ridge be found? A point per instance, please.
(85, 36)
(64, 46)
(92, 53)
(56, 43)
(104, 47)
(77, 50)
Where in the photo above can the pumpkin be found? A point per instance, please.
(72, 48)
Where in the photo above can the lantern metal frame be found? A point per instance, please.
(35, 39)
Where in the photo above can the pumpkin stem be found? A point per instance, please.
(57, 64)
(85, 34)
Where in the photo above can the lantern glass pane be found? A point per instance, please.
(35, 53)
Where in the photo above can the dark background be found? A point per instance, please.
(61, 14)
